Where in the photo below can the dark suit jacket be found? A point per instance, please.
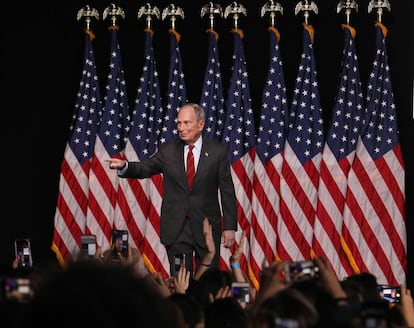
(213, 175)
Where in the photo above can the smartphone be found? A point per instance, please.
(285, 323)
(23, 253)
(392, 294)
(17, 289)
(301, 270)
(88, 245)
(179, 261)
(241, 291)
(119, 244)
(374, 314)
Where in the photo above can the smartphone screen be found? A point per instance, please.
(88, 245)
(119, 244)
(241, 291)
(179, 261)
(23, 253)
(391, 294)
(17, 289)
(301, 270)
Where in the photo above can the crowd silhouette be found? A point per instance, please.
(97, 291)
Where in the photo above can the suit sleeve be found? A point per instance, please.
(144, 169)
(227, 194)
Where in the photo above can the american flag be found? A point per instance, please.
(176, 93)
(110, 142)
(268, 162)
(239, 136)
(144, 206)
(72, 200)
(337, 157)
(303, 153)
(212, 98)
(374, 218)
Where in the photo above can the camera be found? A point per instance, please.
(119, 244)
(88, 246)
(241, 291)
(301, 270)
(23, 253)
(179, 261)
(391, 294)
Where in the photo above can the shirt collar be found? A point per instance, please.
(198, 143)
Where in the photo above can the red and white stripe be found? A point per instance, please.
(266, 213)
(374, 221)
(299, 194)
(71, 208)
(242, 174)
(333, 183)
(103, 188)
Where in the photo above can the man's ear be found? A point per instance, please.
(201, 124)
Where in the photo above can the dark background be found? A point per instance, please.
(42, 55)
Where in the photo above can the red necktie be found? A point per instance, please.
(190, 166)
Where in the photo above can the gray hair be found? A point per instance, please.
(198, 109)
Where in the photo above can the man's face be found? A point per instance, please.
(189, 129)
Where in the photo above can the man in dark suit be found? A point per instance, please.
(184, 208)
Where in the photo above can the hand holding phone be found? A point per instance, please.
(23, 253)
(301, 270)
(119, 245)
(88, 246)
(179, 261)
(241, 291)
(17, 289)
(391, 294)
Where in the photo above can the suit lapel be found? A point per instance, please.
(180, 159)
(203, 160)
(178, 156)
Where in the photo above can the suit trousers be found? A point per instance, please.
(182, 252)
